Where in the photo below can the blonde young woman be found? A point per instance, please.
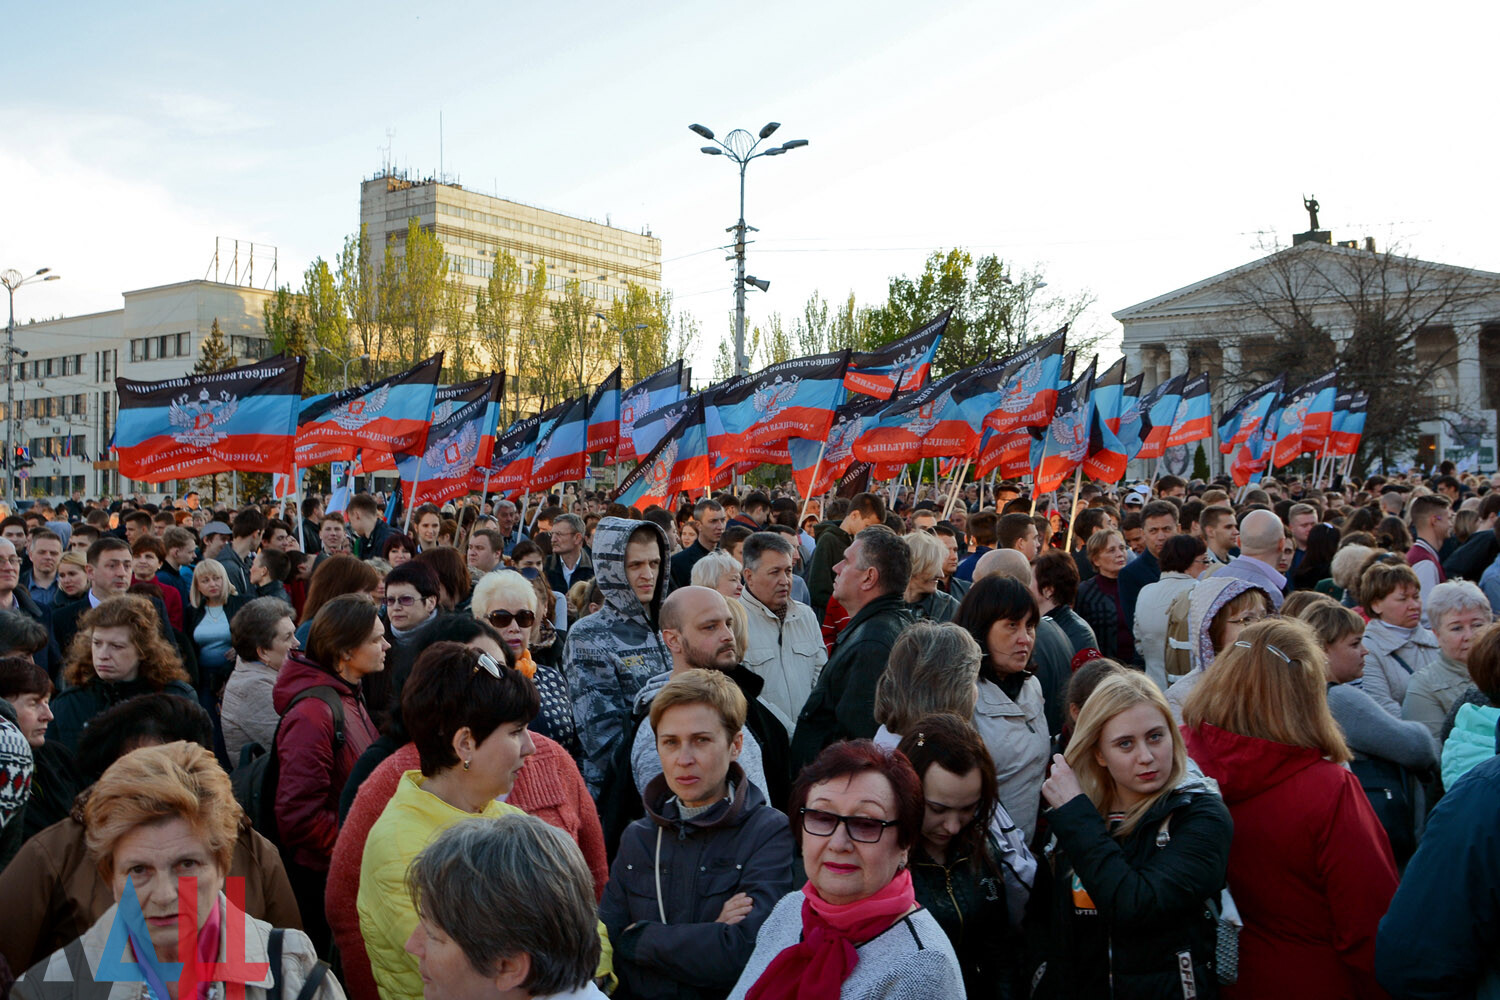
(1139, 845)
(1310, 867)
(214, 603)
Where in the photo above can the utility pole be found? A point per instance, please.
(12, 280)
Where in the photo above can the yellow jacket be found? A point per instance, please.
(411, 820)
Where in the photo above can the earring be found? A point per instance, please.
(467, 763)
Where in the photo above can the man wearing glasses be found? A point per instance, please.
(569, 562)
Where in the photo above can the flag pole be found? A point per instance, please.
(953, 493)
(817, 469)
(1073, 510)
(297, 500)
(406, 529)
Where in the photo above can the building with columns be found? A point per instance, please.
(1229, 323)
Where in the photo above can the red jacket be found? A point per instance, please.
(549, 787)
(1310, 867)
(311, 777)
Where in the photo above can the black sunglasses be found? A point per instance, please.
(863, 829)
(502, 619)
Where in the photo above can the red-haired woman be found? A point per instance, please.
(857, 812)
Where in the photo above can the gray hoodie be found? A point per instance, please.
(612, 653)
(1208, 598)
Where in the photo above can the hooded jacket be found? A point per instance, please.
(738, 845)
(1125, 908)
(612, 653)
(1393, 656)
(311, 775)
(1310, 867)
(1208, 597)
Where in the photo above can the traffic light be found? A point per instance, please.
(23, 457)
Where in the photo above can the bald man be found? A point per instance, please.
(1052, 658)
(696, 629)
(1261, 535)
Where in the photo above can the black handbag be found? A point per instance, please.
(1389, 789)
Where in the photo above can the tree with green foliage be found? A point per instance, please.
(214, 354)
(496, 308)
(997, 310)
(1200, 464)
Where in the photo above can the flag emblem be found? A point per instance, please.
(353, 415)
(774, 397)
(661, 471)
(841, 440)
(200, 423)
(928, 414)
(1017, 397)
(453, 455)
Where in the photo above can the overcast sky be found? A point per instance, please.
(1126, 148)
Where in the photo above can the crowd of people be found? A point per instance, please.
(1168, 739)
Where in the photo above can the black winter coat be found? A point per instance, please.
(740, 846)
(842, 703)
(1124, 909)
(968, 902)
(73, 709)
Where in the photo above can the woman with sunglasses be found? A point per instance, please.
(1310, 867)
(697, 876)
(855, 929)
(508, 601)
(467, 713)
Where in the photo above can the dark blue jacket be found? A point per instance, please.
(1441, 936)
(1142, 571)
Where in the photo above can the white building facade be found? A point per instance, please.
(1220, 325)
(64, 389)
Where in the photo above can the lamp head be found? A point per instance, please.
(702, 130)
(711, 150)
(774, 151)
(43, 270)
(794, 144)
(768, 128)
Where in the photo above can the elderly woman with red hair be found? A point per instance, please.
(855, 929)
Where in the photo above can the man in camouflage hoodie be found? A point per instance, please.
(611, 654)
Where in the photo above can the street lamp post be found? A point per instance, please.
(740, 147)
(347, 362)
(615, 329)
(12, 280)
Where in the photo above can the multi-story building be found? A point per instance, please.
(472, 227)
(64, 389)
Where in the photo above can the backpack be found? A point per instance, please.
(255, 779)
(1179, 652)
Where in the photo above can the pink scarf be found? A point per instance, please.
(815, 968)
